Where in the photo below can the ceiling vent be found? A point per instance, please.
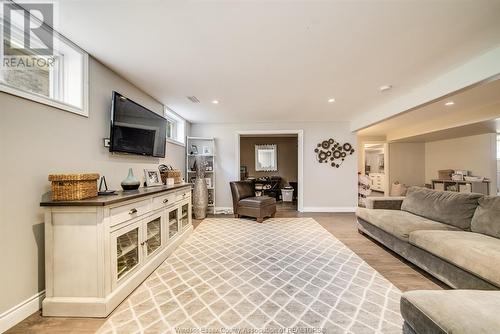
(193, 99)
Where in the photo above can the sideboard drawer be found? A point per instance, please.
(183, 194)
(123, 213)
(164, 201)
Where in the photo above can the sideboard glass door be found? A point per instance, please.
(185, 215)
(153, 235)
(127, 252)
(173, 222)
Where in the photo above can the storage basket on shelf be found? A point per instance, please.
(71, 187)
(445, 174)
(175, 174)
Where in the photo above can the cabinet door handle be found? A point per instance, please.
(132, 211)
(165, 200)
(142, 243)
(184, 195)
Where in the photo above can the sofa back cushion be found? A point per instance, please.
(486, 220)
(445, 207)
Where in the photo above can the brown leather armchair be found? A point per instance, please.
(245, 203)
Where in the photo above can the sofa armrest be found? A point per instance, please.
(387, 203)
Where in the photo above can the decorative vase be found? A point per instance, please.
(200, 191)
(130, 182)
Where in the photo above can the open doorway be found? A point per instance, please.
(273, 161)
(374, 168)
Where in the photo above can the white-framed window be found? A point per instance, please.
(176, 127)
(58, 79)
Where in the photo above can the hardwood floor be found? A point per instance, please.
(402, 274)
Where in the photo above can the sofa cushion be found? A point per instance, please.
(486, 219)
(446, 207)
(452, 311)
(400, 223)
(257, 202)
(477, 253)
(389, 203)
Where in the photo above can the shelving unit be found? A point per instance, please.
(480, 187)
(201, 144)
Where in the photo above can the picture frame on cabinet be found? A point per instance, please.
(153, 178)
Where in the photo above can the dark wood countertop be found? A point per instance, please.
(119, 196)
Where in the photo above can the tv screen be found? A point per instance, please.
(136, 129)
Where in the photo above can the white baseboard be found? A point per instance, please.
(21, 311)
(229, 210)
(224, 209)
(329, 209)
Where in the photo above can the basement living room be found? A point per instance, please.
(251, 166)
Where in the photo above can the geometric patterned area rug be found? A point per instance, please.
(287, 275)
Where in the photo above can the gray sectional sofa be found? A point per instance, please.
(453, 236)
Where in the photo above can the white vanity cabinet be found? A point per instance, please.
(97, 251)
(377, 181)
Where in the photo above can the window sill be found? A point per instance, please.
(176, 142)
(42, 100)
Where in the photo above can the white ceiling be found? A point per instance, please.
(280, 60)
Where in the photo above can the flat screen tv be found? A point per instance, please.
(136, 129)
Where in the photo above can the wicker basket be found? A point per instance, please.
(445, 174)
(175, 174)
(71, 187)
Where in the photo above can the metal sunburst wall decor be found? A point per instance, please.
(332, 151)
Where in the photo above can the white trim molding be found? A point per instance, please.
(21, 311)
(228, 210)
(300, 156)
(175, 142)
(339, 209)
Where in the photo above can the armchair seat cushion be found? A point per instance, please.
(257, 202)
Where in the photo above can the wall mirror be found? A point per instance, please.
(266, 158)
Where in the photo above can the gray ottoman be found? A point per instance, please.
(451, 311)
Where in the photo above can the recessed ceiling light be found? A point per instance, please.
(331, 100)
(215, 101)
(449, 103)
(384, 88)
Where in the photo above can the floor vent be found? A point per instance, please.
(193, 99)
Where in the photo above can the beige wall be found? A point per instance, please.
(407, 163)
(36, 140)
(476, 154)
(287, 156)
(325, 188)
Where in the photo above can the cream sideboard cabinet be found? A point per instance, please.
(97, 251)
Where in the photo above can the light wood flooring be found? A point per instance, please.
(402, 274)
